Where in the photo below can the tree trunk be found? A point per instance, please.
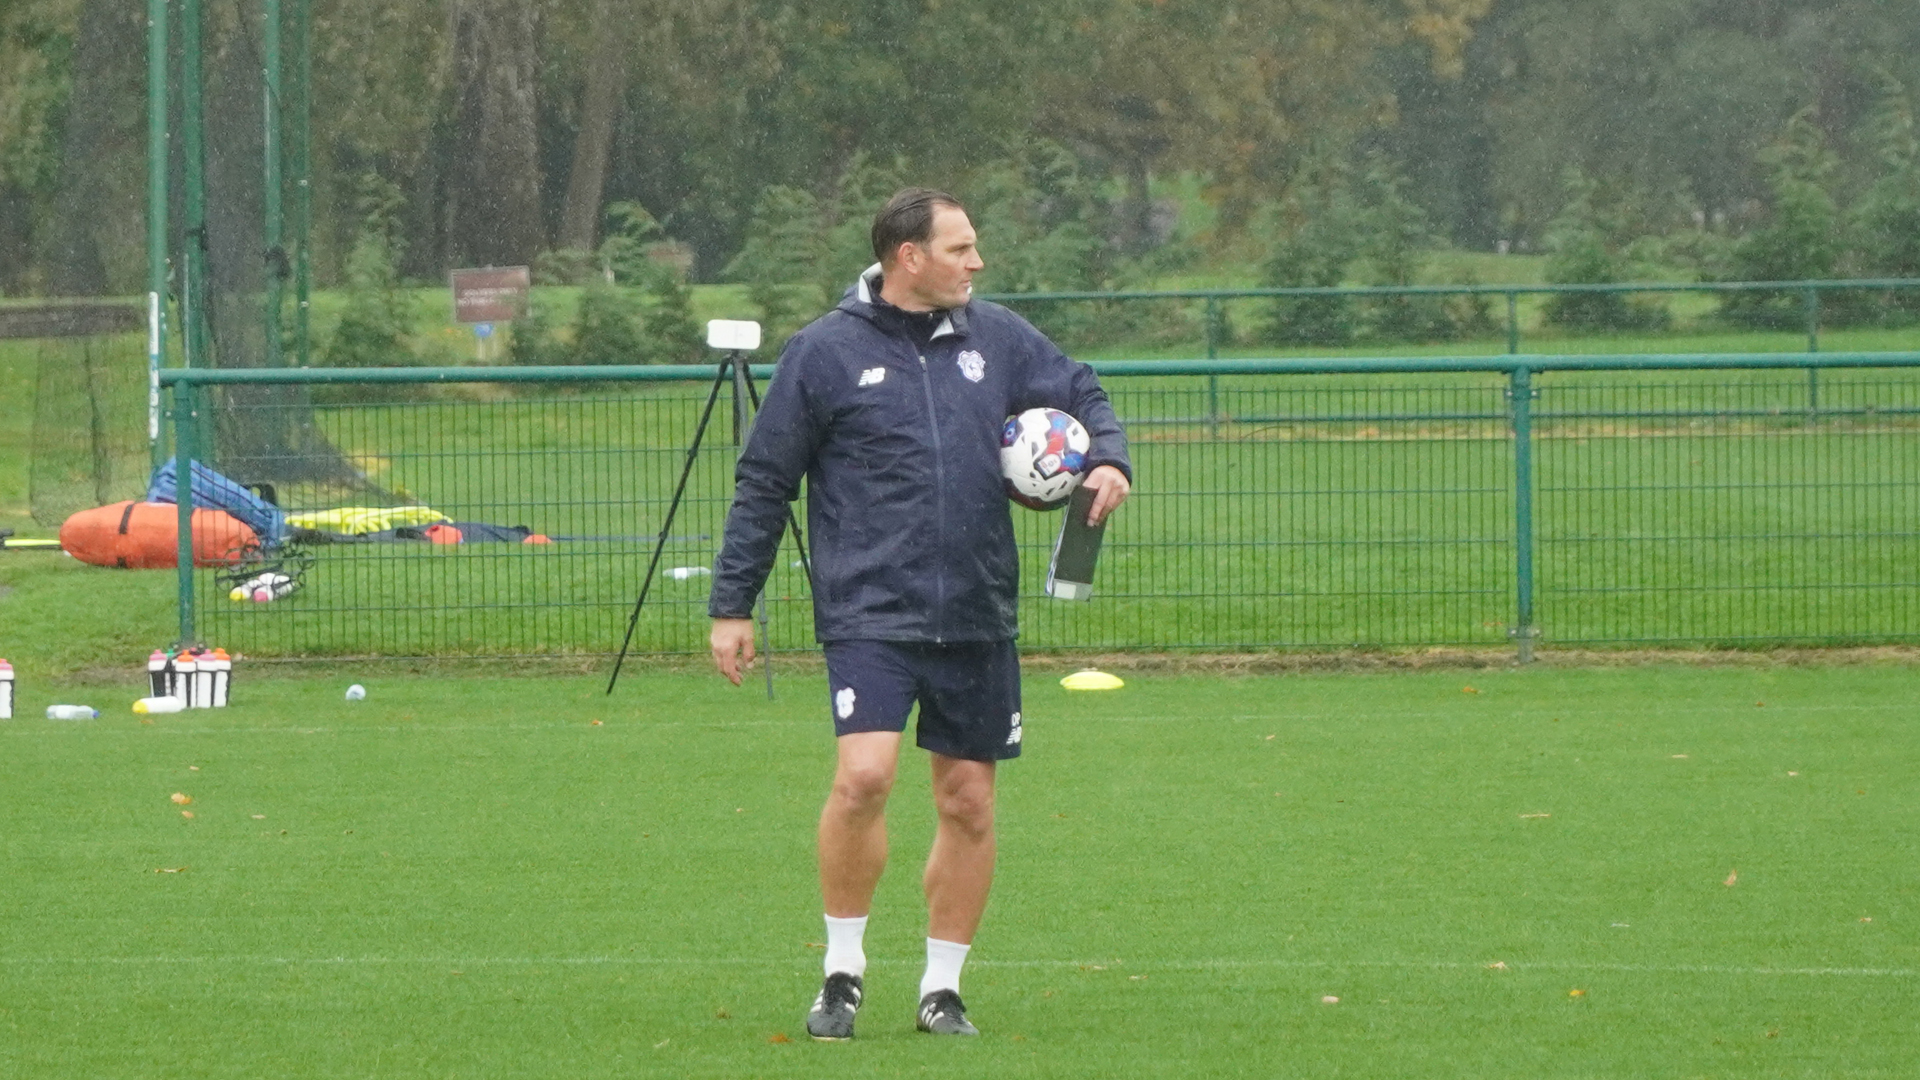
(493, 192)
(599, 105)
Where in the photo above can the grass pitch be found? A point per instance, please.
(1640, 872)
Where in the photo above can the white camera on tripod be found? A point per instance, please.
(736, 335)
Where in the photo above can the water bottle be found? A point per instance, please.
(71, 712)
(6, 690)
(222, 666)
(158, 704)
(157, 674)
(203, 680)
(186, 672)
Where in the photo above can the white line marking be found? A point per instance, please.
(1101, 964)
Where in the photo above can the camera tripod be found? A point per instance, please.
(733, 366)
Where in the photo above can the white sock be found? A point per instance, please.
(844, 951)
(943, 966)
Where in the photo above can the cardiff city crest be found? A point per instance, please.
(973, 365)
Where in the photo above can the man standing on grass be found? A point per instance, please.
(891, 408)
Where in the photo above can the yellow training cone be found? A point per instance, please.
(1091, 680)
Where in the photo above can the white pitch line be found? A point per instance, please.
(428, 727)
(1102, 964)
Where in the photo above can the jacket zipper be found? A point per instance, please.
(940, 506)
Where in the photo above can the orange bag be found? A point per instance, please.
(146, 536)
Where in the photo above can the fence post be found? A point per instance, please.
(1810, 302)
(1520, 391)
(186, 408)
(1513, 323)
(1213, 353)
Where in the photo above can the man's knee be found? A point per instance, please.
(964, 799)
(863, 785)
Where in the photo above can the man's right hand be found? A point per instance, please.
(732, 641)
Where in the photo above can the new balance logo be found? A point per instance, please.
(1013, 736)
(873, 376)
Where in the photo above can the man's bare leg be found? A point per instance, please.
(960, 867)
(853, 824)
(853, 852)
(958, 879)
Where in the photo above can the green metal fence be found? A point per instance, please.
(1290, 504)
(1208, 317)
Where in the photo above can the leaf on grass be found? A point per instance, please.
(186, 813)
(1759, 704)
(259, 817)
(1863, 918)
(597, 723)
(776, 1037)
(1497, 965)
(1329, 1000)
(661, 1043)
(1535, 815)
(1679, 757)
(1576, 993)
(182, 870)
(722, 1014)
(1733, 878)
(1468, 690)
(815, 945)
(180, 798)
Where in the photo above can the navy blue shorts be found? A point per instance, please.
(969, 693)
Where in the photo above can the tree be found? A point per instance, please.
(1587, 243)
(494, 214)
(1800, 240)
(1886, 219)
(593, 141)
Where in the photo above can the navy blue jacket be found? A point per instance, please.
(908, 523)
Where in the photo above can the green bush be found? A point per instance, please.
(1312, 236)
(1800, 241)
(531, 341)
(606, 330)
(1886, 219)
(378, 315)
(1588, 245)
(780, 262)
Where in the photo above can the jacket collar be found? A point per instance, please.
(864, 300)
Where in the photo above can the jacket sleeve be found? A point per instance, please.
(1056, 381)
(779, 451)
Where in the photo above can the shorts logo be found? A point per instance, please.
(1013, 737)
(873, 376)
(843, 703)
(973, 366)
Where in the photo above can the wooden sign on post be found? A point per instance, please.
(494, 295)
(487, 296)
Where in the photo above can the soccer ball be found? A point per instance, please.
(1043, 455)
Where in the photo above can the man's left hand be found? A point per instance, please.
(1110, 487)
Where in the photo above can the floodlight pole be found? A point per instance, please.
(275, 217)
(157, 167)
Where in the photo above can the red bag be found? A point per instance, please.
(146, 536)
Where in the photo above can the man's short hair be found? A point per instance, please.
(908, 219)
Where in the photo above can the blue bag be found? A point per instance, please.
(214, 491)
